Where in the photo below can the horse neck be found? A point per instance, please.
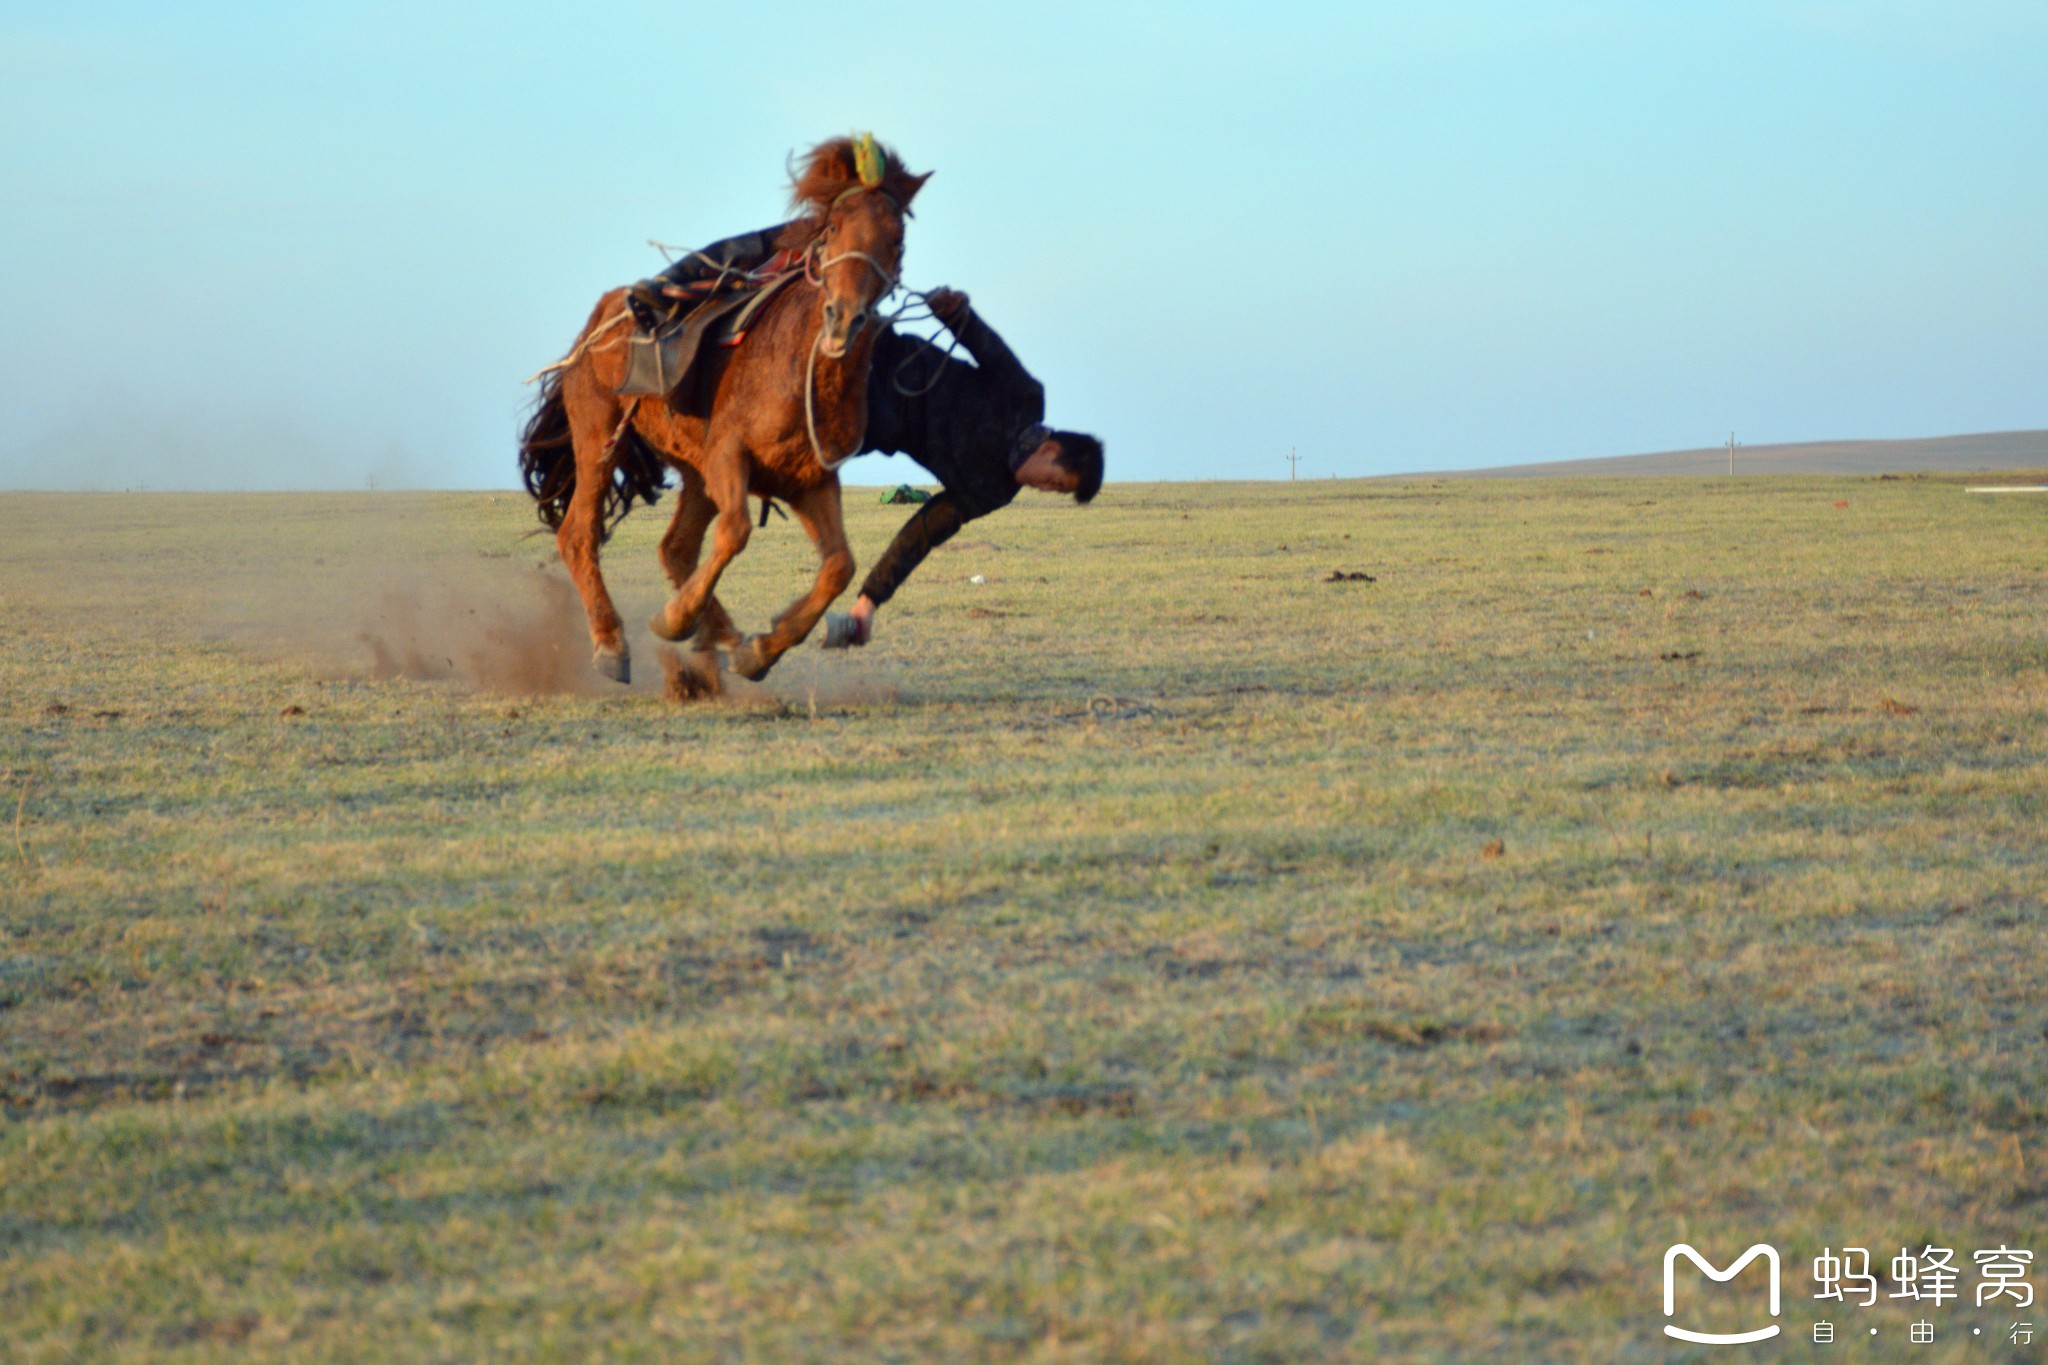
(836, 382)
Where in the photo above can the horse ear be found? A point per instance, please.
(911, 185)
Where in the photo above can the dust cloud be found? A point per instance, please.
(426, 587)
(526, 637)
(805, 678)
(456, 589)
(491, 627)
(510, 621)
(524, 633)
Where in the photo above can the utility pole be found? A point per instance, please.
(1731, 454)
(1292, 458)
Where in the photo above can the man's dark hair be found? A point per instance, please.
(1080, 455)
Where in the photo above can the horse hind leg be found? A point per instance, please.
(594, 419)
(819, 511)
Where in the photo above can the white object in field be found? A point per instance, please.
(2012, 488)
(840, 630)
(978, 580)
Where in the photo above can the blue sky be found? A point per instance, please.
(300, 246)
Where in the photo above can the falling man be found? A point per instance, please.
(978, 428)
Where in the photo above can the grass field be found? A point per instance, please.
(1153, 952)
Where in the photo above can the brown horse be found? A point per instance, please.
(789, 405)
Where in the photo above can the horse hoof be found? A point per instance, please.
(748, 661)
(662, 630)
(615, 664)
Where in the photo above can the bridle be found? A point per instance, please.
(816, 263)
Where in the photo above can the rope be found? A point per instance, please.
(726, 269)
(814, 270)
(625, 420)
(814, 259)
(810, 409)
(814, 267)
(611, 450)
(912, 298)
(916, 298)
(570, 359)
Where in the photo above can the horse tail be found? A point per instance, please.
(637, 472)
(547, 463)
(547, 457)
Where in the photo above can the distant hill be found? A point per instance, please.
(1933, 454)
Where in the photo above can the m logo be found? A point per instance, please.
(1671, 1256)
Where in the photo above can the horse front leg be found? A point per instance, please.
(725, 486)
(680, 548)
(819, 511)
(593, 419)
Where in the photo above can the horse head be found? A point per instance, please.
(855, 195)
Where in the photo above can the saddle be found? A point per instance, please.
(663, 355)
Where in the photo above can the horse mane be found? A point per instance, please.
(827, 171)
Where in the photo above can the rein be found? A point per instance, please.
(912, 298)
(816, 263)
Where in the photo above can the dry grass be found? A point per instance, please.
(1154, 952)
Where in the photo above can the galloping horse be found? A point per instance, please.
(788, 408)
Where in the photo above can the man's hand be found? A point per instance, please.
(947, 305)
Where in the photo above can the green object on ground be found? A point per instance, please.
(904, 493)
